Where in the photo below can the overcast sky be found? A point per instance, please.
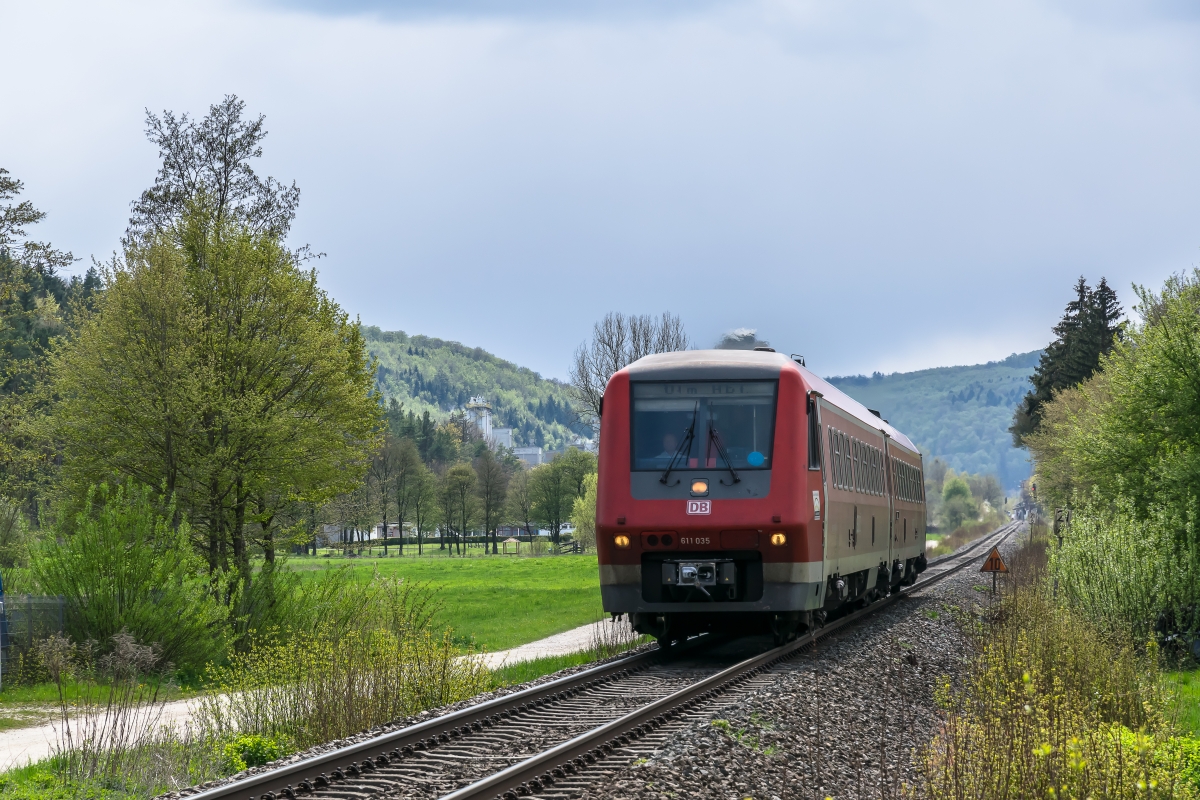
(877, 185)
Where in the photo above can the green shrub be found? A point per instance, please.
(1053, 706)
(374, 661)
(123, 567)
(1184, 753)
(251, 750)
(1124, 574)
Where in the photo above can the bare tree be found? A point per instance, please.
(617, 341)
(520, 501)
(381, 481)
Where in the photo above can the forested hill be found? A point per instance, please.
(960, 414)
(427, 374)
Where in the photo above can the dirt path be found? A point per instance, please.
(560, 644)
(25, 745)
(21, 746)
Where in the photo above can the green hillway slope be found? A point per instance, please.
(427, 374)
(958, 414)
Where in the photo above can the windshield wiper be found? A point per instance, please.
(684, 447)
(715, 439)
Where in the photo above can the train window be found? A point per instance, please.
(697, 425)
(845, 479)
(834, 467)
(856, 470)
(847, 462)
(835, 458)
(814, 436)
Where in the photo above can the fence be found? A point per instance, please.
(27, 618)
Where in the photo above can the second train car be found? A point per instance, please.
(738, 491)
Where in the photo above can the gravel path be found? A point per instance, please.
(848, 718)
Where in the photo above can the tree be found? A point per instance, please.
(406, 482)
(37, 306)
(1087, 332)
(381, 480)
(1133, 429)
(456, 496)
(985, 488)
(423, 501)
(492, 487)
(211, 158)
(617, 341)
(576, 466)
(553, 493)
(520, 500)
(216, 369)
(958, 505)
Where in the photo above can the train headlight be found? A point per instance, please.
(779, 538)
(621, 541)
(699, 488)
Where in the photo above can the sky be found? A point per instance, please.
(886, 185)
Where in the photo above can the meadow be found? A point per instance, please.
(499, 601)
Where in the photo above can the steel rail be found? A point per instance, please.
(543, 769)
(310, 773)
(314, 773)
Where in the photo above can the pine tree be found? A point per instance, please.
(1088, 329)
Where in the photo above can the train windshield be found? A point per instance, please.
(713, 425)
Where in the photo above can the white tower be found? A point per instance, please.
(479, 411)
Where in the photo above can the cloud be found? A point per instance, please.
(525, 10)
(877, 184)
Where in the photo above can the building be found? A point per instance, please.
(479, 413)
(532, 456)
(501, 437)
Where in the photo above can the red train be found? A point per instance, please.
(738, 491)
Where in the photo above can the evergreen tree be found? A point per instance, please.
(1087, 331)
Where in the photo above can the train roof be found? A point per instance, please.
(749, 364)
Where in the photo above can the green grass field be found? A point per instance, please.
(499, 601)
(1187, 684)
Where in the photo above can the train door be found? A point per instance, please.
(817, 454)
(890, 474)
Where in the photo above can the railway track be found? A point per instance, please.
(555, 739)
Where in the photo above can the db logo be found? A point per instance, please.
(699, 506)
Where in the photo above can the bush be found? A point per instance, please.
(583, 515)
(1126, 575)
(125, 568)
(1054, 707)
(251, 750)
(375, 662)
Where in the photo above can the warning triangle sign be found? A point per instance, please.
(994, 562)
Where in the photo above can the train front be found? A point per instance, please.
(707, 511)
